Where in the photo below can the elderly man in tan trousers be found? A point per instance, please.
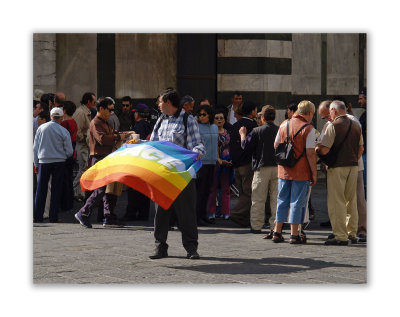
(323, 111)
(342, 175)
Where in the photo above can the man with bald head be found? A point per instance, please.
(59, 97)
(342, 174)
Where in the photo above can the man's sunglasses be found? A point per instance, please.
(203, 114)
(123, 105)
(219, 118)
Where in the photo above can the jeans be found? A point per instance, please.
(291, 195)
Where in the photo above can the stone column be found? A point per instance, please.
(77, 65)
(44, 62)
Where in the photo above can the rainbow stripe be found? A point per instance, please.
(159, 169)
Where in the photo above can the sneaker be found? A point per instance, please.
(111, 222)
(159, 255)
(84, 221)
(226, 217)
(193, 255)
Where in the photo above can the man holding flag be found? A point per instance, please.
(177, 127)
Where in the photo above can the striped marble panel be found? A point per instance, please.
(254, 82)
(254, 48)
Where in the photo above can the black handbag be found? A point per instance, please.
(331, 157)
(284, 152)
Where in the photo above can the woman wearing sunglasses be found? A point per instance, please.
(223, 171)
(209, 136)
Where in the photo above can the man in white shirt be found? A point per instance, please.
(237, 101)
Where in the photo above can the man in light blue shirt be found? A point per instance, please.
(51, 148)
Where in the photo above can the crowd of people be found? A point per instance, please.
(241, 153)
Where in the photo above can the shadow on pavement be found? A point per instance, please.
(261, 266)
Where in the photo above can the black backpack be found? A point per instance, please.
(284, 152)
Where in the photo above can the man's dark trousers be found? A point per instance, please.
(185, 210)
(56, 170)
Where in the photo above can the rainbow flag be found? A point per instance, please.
(158, 169)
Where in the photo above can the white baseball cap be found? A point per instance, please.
(56, 112)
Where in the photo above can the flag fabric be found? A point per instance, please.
(158, 169)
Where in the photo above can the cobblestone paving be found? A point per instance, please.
(67, 253)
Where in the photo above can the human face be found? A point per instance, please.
(324, 113)
(362, 101)
(41, 121)
(219, 120)
(188, 107)
(166, 107)
(105, 113)
(332, 113)
(37, 110)
(237, 100)
(125, 106)
(92, 102)
(204, 117)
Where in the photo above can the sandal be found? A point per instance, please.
(277, 237)
(303, 237)
(295, 240)
(269, 235)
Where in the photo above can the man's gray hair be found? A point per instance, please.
(338, 105)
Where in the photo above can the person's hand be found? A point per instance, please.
(243, 132)
(123, 135)
(226, 163)
(313, 179)
(36, 169)
(323, 167)
(198, 157)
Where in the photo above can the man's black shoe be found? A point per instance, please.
(362, 238)
(331, 236)
(325, 224)
(193, 256)
(353, 240)
(255, 231)
(336, 242)
(159, 255)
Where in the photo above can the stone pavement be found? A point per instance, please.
(67, 253)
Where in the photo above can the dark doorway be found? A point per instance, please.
(197, 66)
